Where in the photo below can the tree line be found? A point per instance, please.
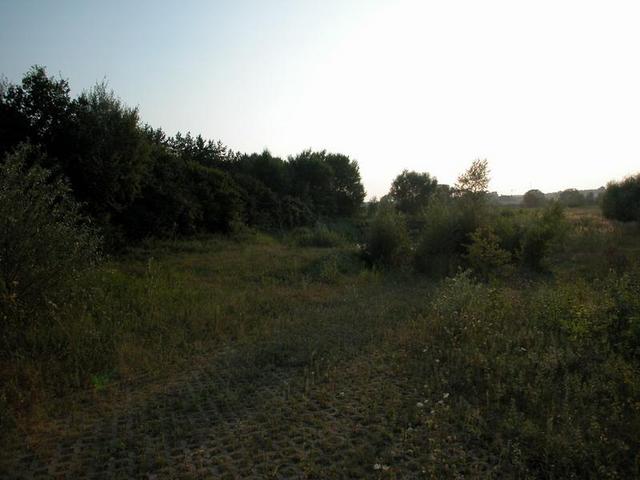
(135, 181)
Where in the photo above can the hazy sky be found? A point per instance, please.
(547, 91)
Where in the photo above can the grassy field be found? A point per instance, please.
(255, 357)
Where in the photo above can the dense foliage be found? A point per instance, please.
(533, 198)
(136, 182)
(442, 230)
(411, 191)
(572, 198)
(46, 244)
(621, 200)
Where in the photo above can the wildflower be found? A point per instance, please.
(445, 396)
(420, 405)
(377, 466)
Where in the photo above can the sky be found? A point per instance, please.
(547, 91)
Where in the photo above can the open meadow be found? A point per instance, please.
(258, 356)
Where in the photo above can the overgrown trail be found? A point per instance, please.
(321, 398)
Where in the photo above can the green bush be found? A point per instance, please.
(540, 235)
(45, 242)
(529, 236)
(447, 227)
(387, 241)
(485, 256)
(509, 226)
(319, 236)
(543, 380)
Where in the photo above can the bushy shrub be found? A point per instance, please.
(545, 379)
(319, 236)
(45, 242)
(540, 235)
(485, 256)
(529, 236)
(621, 200)
(509, 226)
(447, 226)
(387, 241)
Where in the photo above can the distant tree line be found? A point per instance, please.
(135, 181)
(570, 197)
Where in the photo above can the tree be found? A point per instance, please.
(347, 186)
(205, 152)
(533, 199)
(571, 198)
(270, 170)
(136, 182)
(112, 155)
(387, 240)
(621, 200)
(411, 191)
(165, 206)
(312, 181)
(39, 110)
(475, 181)
(218, 196)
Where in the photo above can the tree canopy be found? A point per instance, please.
(572, 198)
(621, 200)
(475, 180)
(136, 181)
(411, 191)
(533, 198)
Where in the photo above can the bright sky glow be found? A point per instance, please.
(547, 91)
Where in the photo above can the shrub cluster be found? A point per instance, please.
(387, 240)
(447, 229)
(45, 246)
(542, 380)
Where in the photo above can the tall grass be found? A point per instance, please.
(526, 376)
(158, 307)
(536, 382)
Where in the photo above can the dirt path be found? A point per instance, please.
(323, 405)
